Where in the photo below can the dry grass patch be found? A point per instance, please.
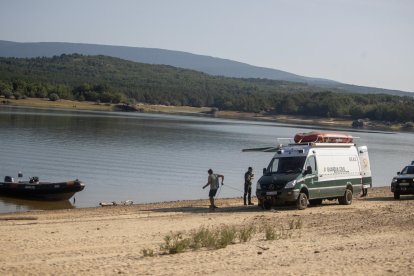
(216, 238)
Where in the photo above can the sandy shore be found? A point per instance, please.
(373, 236)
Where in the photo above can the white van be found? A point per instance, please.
(308, 172)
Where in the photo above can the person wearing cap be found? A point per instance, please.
(248, 176)
(213, 181)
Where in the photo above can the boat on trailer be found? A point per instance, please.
(322, 137)
(39, 190)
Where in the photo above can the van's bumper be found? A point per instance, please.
(278, 197)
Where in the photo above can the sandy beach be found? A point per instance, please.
(374, 235)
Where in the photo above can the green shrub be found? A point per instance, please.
(285, 233)
(203, 237)
(17, 95)
(147, 252)
(276, 233)
(295, 224)
(54, 97)
(216, 238)
(271, 233)
(226, 236)
(245, 233)
(7, 94)
(175, 243)
(299, 224)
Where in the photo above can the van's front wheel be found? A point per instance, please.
(346, 199)
(302, 201)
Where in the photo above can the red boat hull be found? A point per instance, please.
(322, 137)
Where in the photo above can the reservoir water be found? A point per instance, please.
(151, 158)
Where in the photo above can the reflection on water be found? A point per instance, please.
(150, 158)
(20, 205)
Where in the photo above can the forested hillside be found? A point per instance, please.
(211, 65)
(107, 79)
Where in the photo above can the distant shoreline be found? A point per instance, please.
(202, 111)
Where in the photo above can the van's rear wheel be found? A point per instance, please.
(302, 201)
(346, 199)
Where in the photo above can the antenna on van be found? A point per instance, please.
(289, 140)
(263, 149)
(269, 148)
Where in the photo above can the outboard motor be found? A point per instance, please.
(8, 179)
(34, 179)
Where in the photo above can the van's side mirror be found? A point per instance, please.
(264, 170)
(20, 174)
(398, 173)
(308, 170)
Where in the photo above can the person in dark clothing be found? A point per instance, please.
(248, 177)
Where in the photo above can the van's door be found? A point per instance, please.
(311, 178)
(365, 167)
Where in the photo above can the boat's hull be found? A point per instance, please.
(42, 190)
(322, 137)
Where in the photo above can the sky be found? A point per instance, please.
(361, 42)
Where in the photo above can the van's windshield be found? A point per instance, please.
(286, 165)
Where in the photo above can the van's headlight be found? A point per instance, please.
(290, 184)
(394, 180)
(258, 187)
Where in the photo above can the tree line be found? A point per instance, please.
(107, 79)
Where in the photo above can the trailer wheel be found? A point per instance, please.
(396, 195)
(346, 199)
(302, 201)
